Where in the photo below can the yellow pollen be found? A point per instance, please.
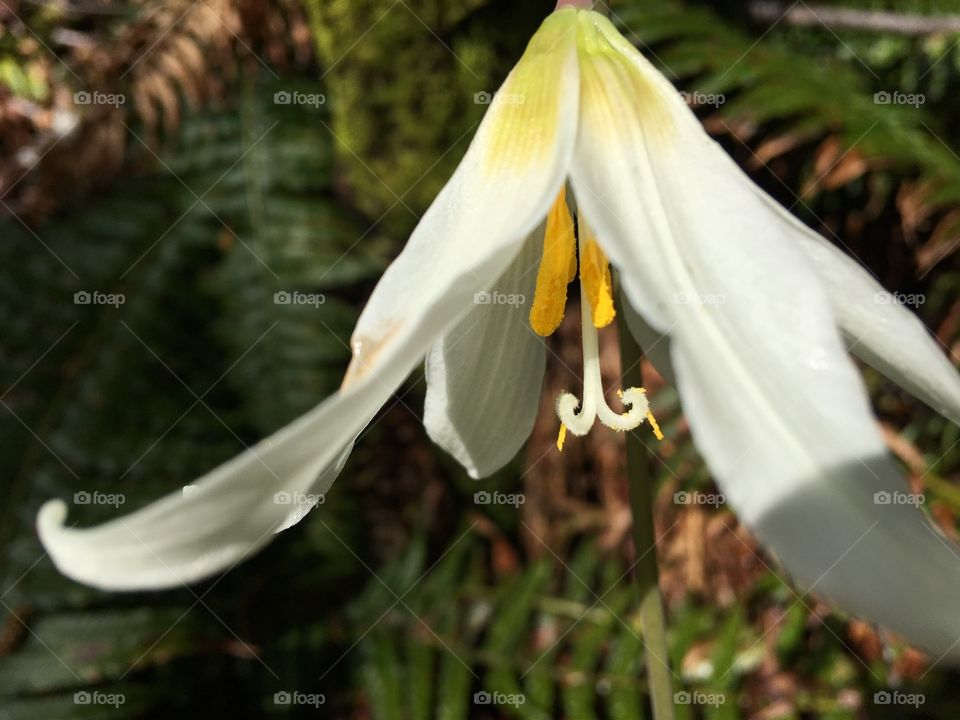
(595, 277)
(561, 437)
(558, 268)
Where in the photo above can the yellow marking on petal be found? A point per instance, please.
(561, 437)
(654, 425)
(620, 91)
(559, 255)
(524, 118)
(595, 276)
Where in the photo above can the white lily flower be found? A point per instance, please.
(754, 304)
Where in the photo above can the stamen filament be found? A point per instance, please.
(594, 404)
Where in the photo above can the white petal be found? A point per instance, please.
(466, 240)
(484, 378)
(861, 541)
(774, 403)
(303, 504)
(223, 517)
(880, 329)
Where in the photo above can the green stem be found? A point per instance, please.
(645, 576)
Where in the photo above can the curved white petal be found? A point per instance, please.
(877, 326)
(223, 517)
(774, 402)
(465, 241)
(484, 378)
(858, 538)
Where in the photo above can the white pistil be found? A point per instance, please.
(594, 404)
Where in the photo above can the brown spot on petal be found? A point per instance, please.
(366, 351)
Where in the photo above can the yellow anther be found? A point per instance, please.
(595, 277)
(654, 425)
(557, 269)
(561, 437)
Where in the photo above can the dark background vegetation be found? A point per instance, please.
(200, 197)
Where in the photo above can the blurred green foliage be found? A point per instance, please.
(256, 198)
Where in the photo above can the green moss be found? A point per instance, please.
(401, 80)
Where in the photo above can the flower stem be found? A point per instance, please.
(652, 619)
